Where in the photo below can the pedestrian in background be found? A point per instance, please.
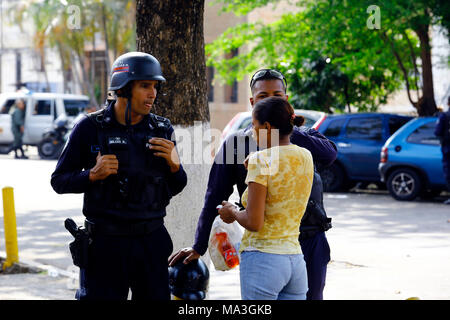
(442, 131)
(18, 128)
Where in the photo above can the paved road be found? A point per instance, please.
(381, 248)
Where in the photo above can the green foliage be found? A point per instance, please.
(55, 26)
(362, 70)
(243, 7)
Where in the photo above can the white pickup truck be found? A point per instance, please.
(41, 109)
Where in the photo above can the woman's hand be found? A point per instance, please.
(228, 212)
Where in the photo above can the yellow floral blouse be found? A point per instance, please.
(287, 172)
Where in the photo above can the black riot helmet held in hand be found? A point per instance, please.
(133, 66)
(189, 281)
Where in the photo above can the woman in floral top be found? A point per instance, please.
(279, 183)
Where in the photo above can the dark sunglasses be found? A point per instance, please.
(267, 74)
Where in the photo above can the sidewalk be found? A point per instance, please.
(381, 249)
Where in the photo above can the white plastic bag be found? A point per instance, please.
(224, 242)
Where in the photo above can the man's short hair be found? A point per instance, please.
(268, 74)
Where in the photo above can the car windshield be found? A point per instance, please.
(74, 107)
(245, 123)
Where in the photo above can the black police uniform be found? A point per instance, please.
(442, 130)
(313, 241)
(129, 245)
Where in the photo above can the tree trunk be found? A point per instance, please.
(426, 106)
(87, 85)
(172, 31)
(106, 38)
(63, 67)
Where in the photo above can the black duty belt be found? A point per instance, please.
(309, 232)
(123, 229)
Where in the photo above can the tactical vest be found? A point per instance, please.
(139, 190)
(315, 215)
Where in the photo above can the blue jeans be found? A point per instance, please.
(267, 276)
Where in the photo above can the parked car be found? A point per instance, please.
(243, 119)
(411, 161)
(359, 138)
(41, 109)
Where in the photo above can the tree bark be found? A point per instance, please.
(172, 31)
(426, 106)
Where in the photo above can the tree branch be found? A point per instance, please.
(414, 59)
(386, 39)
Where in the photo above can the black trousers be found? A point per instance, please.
(119, 263)
(316, 252)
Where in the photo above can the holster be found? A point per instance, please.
(79, 248)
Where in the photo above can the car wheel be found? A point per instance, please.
(333, 178)
(5, 148)
(404, 184)
(47, 149)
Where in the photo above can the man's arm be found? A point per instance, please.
(439, 130)
(167, 149)
(222, 178)
(323, 150)
(69, 175)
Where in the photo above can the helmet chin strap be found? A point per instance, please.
(128, 111)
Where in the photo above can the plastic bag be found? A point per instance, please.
(224, 242)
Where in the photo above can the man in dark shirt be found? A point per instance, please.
(442, 131)
(123, 160)
(228, 170)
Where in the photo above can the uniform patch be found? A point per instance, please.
(117, 141)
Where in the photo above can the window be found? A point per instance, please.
(231, 92)
(209, 80)
(424, 135)
(7, 106)
(309, 122)
(396, 123)
(43, 107)
(365, 128)
(334, 128)
(74, 107)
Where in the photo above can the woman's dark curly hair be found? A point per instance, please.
(279, 113)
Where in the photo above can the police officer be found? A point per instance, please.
(442, 130)
(123, 159)
(228, 170)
